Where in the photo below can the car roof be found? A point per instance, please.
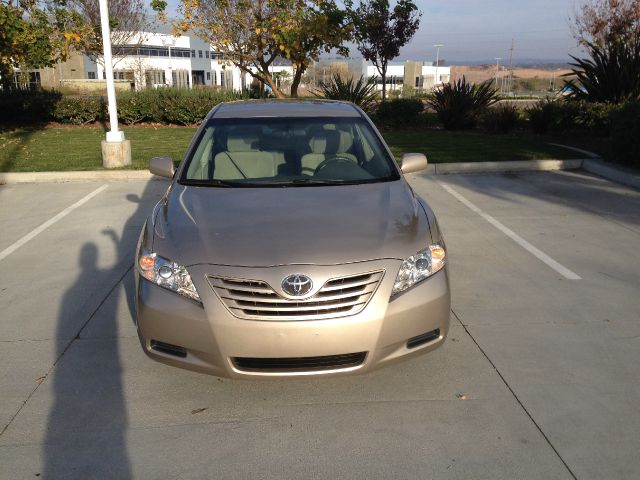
(284, 108)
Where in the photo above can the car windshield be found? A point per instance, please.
(269, 152)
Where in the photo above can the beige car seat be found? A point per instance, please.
(326, 144)
(243, 159)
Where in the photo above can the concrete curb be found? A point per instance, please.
(505, 167)
(614, 173)
(142, 175)
(83, 176)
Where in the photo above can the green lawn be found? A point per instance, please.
(445, 147)
(78, 148)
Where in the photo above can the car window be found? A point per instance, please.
(283, 152)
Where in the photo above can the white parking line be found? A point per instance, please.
(38, 230)
(561, 269)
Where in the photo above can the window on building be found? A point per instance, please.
(34, 80)
(417, 82)
(193, 54)
(208, 75)
(206, 54)
(91, 75)
(199, 53)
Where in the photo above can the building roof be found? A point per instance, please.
(285, 108)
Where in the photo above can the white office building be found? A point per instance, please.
(158, 59)
(417, 75)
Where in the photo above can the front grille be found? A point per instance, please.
(256, 300)
(299, 364)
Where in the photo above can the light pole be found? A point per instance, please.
(437, 45)
(116, 151)
(169, 42)
(497, 69)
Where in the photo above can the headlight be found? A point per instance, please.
(167, 274)
(419, 266)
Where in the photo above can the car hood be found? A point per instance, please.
(321, 225)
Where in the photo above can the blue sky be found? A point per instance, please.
(480, 30)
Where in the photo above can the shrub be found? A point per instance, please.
(594, 118)
(27, 106)
(502, 118)
(459, 105)
(549, 116)
(181, 106)
(136, 107)
(610, 74)
(625, 134)
(399, 112)
(361, 92)
(79, 110)
(558, 116)
(167, 105)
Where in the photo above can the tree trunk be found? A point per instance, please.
(384, 86)
(382, 70)
(264, 75)
(297, 77)
(268, 79)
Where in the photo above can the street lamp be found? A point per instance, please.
(437, 45)
(169, 42)
(116, 151)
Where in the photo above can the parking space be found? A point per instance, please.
(538, 378)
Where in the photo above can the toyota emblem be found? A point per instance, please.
(297, 285)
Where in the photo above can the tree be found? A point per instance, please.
(611, 74)
(127, 20)
(601, 22)
(320, 26)
(36, 36)
(253, 34)
(381, 32)
(609, 30)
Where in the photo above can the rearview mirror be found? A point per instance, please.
(413, 162)
(162, 166)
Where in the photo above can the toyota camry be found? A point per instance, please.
(289, 243)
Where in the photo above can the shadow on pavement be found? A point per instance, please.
(583, 192)
(88, 420)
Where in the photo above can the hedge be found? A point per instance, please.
(559, 116)
(172, 106)
(625, 134)
(399, 112)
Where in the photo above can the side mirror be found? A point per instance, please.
(413, 162)
(162, 166)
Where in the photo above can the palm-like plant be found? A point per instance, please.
(459, 105)
(611, 75)
(361, 92)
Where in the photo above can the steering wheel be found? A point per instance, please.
(329, 161)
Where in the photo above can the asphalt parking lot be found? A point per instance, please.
(539, 378)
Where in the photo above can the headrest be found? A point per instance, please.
(346, 141)
(242, 140)
(325, 141)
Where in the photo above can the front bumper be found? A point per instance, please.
(209, 338)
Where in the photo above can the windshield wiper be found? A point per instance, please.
(207, 183)
(301, 182)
